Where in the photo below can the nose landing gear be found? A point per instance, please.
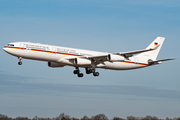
(20, 63)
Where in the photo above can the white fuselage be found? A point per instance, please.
(49, 53)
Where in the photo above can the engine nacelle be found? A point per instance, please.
(54, 64)
(115, 58)
(81, 61)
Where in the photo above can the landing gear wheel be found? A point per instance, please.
(88, 72)
(80, 75)
(19, 63)
(76, 71)
(96, 74)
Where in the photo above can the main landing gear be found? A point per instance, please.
(77, 71)
(88, 71)
(93, 70)
(20, 63)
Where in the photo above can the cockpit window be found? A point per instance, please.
(10, 44)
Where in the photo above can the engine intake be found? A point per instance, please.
(115, 58)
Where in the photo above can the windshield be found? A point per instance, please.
(10, 44)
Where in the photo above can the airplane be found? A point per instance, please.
(57, 56)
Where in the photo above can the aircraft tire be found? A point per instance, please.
(96, 74)
(80, 75)
(76, 71)
(19, 63)
(88, 72)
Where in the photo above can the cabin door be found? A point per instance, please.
(53, 50)
(22, 47)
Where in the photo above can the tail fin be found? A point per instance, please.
(153, 54)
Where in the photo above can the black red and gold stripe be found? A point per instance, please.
(134, 63)
(44, 51)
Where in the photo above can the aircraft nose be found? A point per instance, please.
(5, 49)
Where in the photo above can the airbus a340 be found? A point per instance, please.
(57, 56)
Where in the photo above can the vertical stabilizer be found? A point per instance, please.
(153, 54)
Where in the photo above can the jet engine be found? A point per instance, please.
(54, 64)
(115, 58)
(81, 61)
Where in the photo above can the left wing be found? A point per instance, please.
(131, 53)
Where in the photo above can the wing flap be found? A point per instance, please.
(96, 59)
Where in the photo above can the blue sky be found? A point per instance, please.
(104, 25)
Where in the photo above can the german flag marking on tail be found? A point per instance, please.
(155, 43)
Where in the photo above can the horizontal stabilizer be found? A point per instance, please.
(165, 60)
(151, 62)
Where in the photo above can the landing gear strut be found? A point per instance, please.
(20, 63)
(77, 71)
(88, 71)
